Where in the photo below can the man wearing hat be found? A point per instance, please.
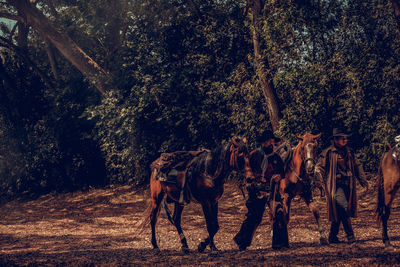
(339, 168)
(260, 191)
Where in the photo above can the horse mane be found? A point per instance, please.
(211, 163)
(216, 166)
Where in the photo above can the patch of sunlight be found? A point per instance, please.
(127, 199)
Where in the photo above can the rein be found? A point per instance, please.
(295, 173)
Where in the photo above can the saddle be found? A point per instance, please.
(285, 151)
(172, 167)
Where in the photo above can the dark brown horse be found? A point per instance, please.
(205, 177)
(299, 177)
(388, 185)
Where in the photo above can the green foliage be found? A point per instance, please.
(171, 96)
(184, 78)
(45, 145)
(345, 75)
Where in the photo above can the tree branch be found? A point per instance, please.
(52, 58)
(101, 79)
(11, 16)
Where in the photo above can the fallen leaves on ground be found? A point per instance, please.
(100, 228)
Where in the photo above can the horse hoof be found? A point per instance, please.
(201, 247)
(185, 250)
(214, 249)
(323, 241)
(389, 247)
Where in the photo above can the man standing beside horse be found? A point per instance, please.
(339, 168)
(263, 190)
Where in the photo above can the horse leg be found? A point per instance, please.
(177, 222)
(385, 218)
(210, 211)
(386, 213)
(385, 237)
(310, 204)
(287, 201)
(214, 225)
(155, 209)
(286, 197)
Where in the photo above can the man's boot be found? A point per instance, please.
(349, 230)
(333, 239)
(280, 237)
(239, 243)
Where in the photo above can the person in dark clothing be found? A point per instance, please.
(261, 191)
(338, 168)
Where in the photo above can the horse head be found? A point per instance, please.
(239, 156)
(308, 143)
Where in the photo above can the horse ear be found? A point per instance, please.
(318, 136)
(300, 138)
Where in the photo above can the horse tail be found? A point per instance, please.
(380, 207)
(142, 224)
(146, 215)
(167, 212)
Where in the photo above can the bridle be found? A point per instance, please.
(308, 156)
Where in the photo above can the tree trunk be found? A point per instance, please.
(67, 47)
(52, 58)
(22, 37)
(263, 68)
(396, 8)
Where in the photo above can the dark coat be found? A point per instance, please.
(266, 166)
(326, 171)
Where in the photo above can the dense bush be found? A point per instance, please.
(184, 78)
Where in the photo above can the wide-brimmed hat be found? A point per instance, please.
(337, 132)
(267, 135)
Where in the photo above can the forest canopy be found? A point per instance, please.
(93, 91)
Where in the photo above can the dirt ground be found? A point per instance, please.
(100, 228)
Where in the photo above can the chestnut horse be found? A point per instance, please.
(299, 177)
(205, 178)
(388, 185)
